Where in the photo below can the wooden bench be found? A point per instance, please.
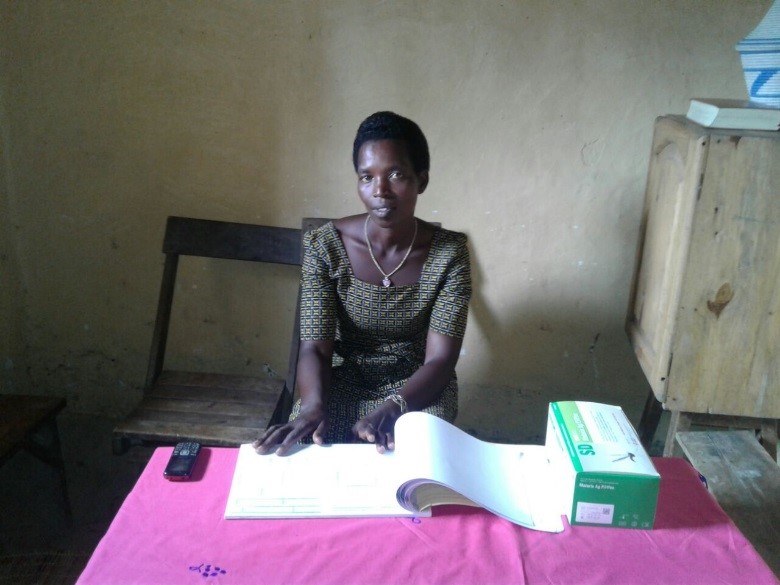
(30, 423)
(745, 481)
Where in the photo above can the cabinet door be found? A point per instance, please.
(727, 337)
(673, 183)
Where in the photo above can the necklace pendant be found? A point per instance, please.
(386, 280)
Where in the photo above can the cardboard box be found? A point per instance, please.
(607, 477)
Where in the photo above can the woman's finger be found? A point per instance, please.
(390, 441)
(295, 434)
(270, 439)
(318, 436)
(265, 434)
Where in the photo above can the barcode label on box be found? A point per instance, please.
(594, 513)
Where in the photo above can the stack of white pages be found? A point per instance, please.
(733, 114)
(434, 463)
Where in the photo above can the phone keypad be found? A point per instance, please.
(185, 449)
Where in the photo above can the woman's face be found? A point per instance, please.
(387, 184)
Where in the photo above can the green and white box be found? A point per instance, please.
(607, 478)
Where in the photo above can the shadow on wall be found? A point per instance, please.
(545, 351)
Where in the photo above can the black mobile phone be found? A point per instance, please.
(182, 461)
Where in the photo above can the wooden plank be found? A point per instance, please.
(202, 406)
(769, 437)
(651, 417)
(247, 397)
(726, 421)
(675, 171)
(258, 419)
(213, 435)
(234, 241)
(215, 409)
(205, 394)
(171, 378)
(678, 422)
(744, 480)
(162, 320)
(767, 427)
(220, 415)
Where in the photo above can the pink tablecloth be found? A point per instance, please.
(169, 533)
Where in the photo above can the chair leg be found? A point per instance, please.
(648, 424)
(283, 408)
(679, 422)
(120, 445)
(769, 437)
(59, 463)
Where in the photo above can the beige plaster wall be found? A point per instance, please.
(539, 115)
(11, 299)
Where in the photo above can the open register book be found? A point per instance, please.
(434, 463)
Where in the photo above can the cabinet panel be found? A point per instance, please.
(726, 346)
(672, 186)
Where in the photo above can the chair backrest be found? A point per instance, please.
(235, 241)
(186, 236)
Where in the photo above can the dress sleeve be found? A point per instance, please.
(450, 311)
(318, 292)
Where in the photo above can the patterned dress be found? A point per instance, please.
(380, 333)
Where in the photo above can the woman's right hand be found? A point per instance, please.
(311, 420)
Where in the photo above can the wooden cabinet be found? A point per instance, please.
(704, 314)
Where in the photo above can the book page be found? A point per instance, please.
(513, 481)
(434, 462)
(315, 481)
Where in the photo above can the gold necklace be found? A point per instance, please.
(386, 280)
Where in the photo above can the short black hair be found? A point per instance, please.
(391, 126)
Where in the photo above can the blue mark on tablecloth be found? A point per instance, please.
(208, 570)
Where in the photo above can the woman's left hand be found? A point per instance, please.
(377, 426)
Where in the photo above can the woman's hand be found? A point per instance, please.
(377, 426)
(311, 420)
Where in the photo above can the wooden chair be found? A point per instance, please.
(212, 408)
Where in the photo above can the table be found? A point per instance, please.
(169, 533)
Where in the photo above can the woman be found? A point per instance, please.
(384, 303)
